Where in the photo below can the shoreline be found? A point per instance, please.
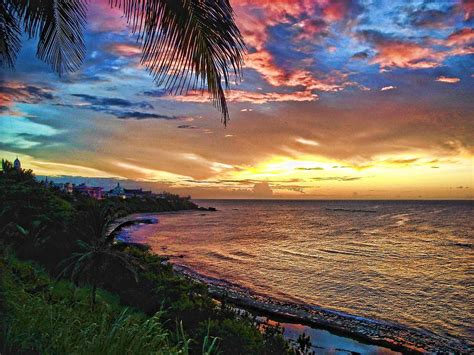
(386, 334)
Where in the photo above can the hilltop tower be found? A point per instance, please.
(17, 164)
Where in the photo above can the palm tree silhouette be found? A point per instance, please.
(186, 44)
(98, 254)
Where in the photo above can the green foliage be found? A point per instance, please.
(55, 318)
(235, 336)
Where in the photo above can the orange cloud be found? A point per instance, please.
(461, 37)
(262, 62)
(449, 80)
(256, 17)
(251, 97)
(124, 49)
(404, 55)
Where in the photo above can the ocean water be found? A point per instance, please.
(411, 262)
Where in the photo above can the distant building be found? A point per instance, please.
(17, 164)
(117, 191)
(92, 191)
(64, 187)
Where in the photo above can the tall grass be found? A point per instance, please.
(56, 318)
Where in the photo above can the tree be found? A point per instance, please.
(186, 44)
(98, 255)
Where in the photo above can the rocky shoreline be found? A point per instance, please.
(382, 333)
(387, 334)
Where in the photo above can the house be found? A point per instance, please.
(92, 191)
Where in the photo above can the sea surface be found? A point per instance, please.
(411, 262)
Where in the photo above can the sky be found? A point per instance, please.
(339, 100)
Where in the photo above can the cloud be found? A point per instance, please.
(431, 17)
(402, 161)
(141, 115)
(393, 52)
(250, 97)
(262, 62)
(307, 141)
(461, 37)
(15, 91)
(390, 87)
(337, 178)
(124, 49)
(262, 189)
(115, 107)
(448, 80)
(111, 101)
(468, 8)
(360, 55)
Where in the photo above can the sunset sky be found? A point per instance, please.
(339, 99)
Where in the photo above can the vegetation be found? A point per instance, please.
(54, 317)
(186, 44)
(130, 300)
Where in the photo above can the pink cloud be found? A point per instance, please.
(251, 97)
(124, 49)
(256, 17)
(448, 80)
(461, 37)
(468, 8)
(102, 17)
(403, 54)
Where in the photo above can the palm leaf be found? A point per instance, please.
(188, 44)
(10, 36)
(61, 42)
(59, 24)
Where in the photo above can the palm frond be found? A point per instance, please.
(10, 35)
(59, 24)
(188, 44)
(61, 42)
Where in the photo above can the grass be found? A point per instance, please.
(40, 315)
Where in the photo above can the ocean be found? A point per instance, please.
(409, 262)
